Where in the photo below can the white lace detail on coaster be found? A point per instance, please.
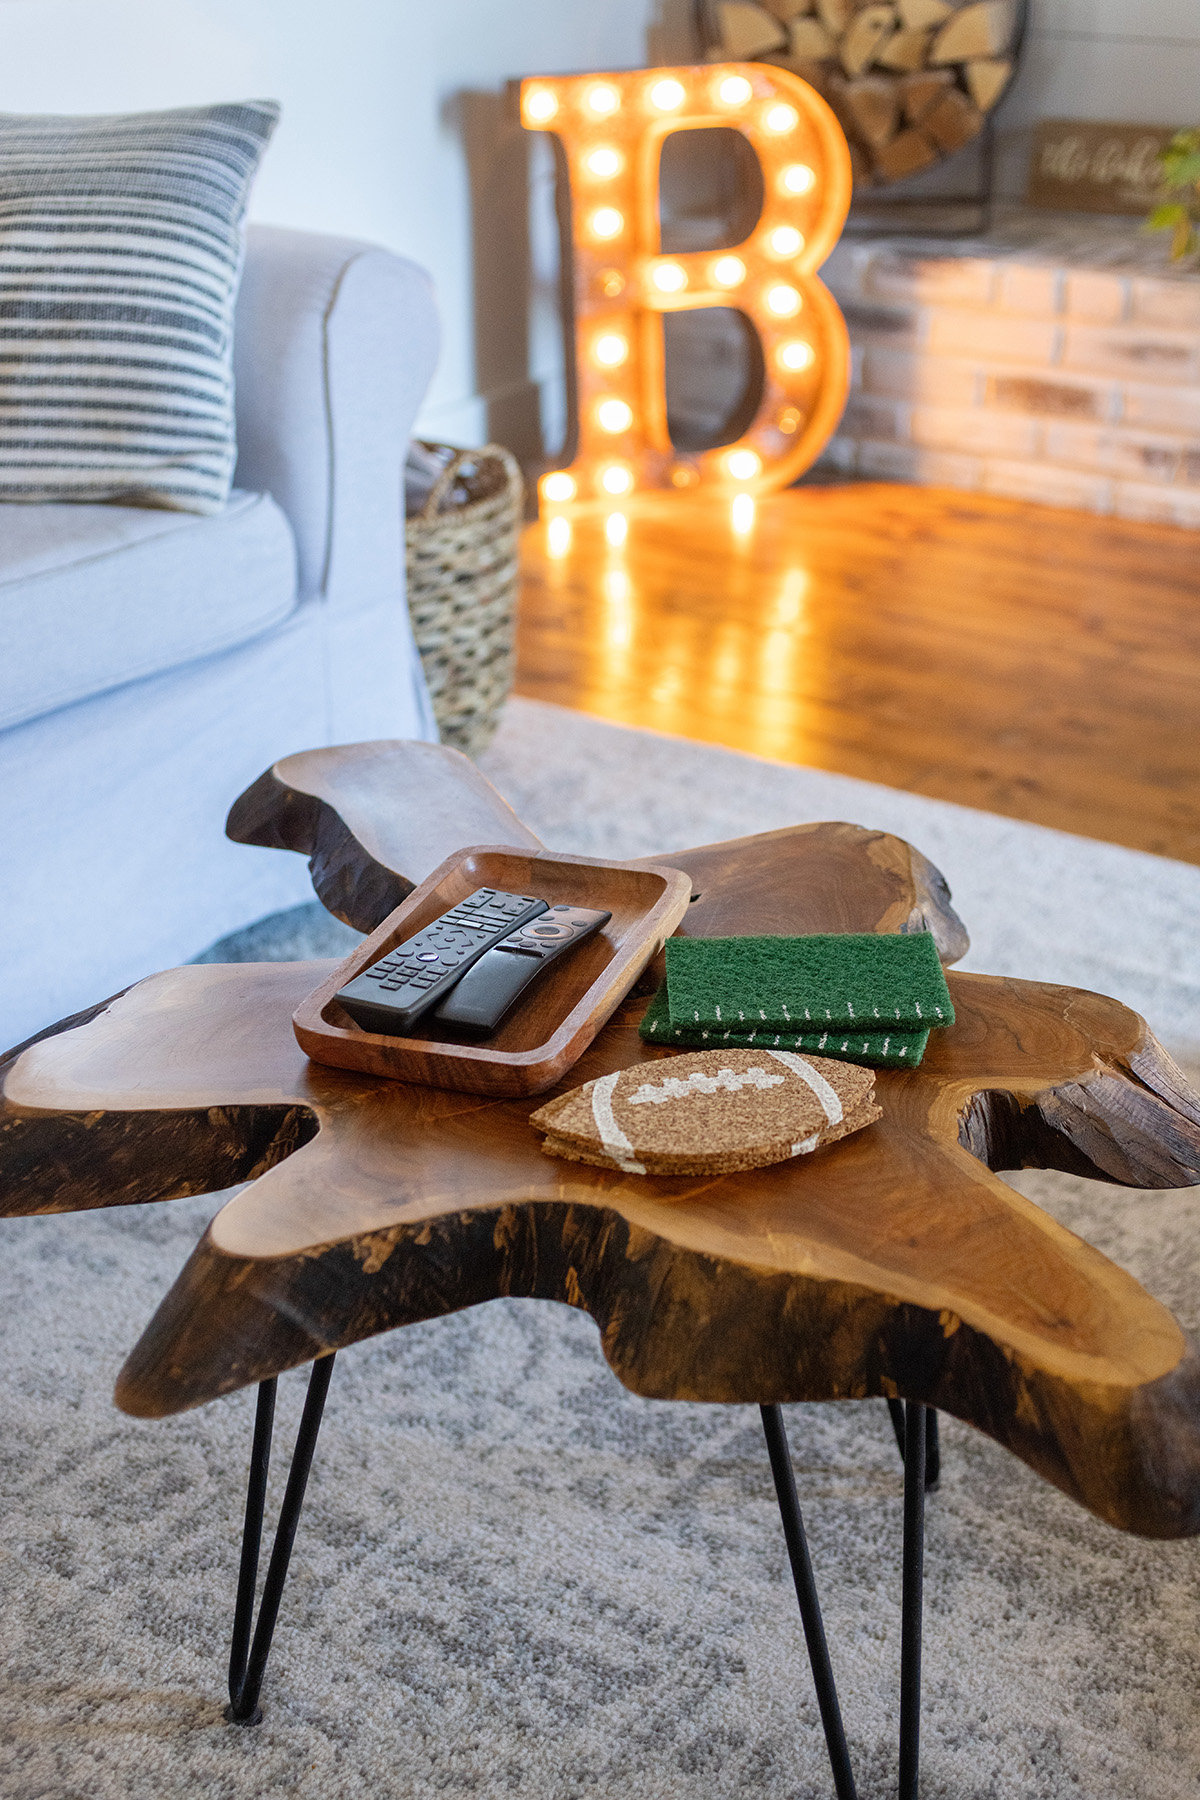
(611, 1135)
(654, 1094)
(830, 1104)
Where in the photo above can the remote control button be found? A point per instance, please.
(412, 976)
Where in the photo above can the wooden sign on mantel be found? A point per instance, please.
(1082, 166)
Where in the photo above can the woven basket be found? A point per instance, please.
(462, 591)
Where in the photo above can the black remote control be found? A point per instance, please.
(393, 993)
(478, 1002)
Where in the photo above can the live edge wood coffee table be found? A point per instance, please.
(893, 1264)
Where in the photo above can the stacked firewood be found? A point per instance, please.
(911, 81)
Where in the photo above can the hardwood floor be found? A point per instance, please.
(1034, 662)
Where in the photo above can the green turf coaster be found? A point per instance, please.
(833, 982)
(879, 1049)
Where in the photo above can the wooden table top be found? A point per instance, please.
(892, 1263)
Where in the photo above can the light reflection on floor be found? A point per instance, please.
(749, 667)
(1022, 659)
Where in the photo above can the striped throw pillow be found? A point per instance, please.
(120, 253)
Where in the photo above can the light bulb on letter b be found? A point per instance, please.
(613, 127)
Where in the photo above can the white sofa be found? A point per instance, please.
(152, 664)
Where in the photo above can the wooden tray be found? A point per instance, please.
(549, 1031)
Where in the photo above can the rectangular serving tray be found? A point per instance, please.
(547, 1032)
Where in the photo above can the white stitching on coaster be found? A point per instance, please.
(729, 1080)
(810, 1143)
(611, 1135)
(830, 1104)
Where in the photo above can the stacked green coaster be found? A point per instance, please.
(855, 997)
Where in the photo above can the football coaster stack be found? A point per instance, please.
(709, 1113)
(849, 995)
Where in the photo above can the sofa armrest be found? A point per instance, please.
(334, 345)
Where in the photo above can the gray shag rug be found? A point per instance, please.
(512, 1577)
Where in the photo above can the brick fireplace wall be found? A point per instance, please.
(1051, 362)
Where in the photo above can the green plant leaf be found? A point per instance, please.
(1182, 171)
(1179, 207)
(1167, 217)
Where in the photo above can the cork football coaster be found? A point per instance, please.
(709, 1113)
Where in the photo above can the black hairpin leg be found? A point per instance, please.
(810, 1606)
(933, 1450)
(248, 1661)
(915, 1467)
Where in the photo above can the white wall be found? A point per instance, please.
(391, 116)
(1131, 60)
(1136, 61)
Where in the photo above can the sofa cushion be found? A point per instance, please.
(95, 596)
(120, 251)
